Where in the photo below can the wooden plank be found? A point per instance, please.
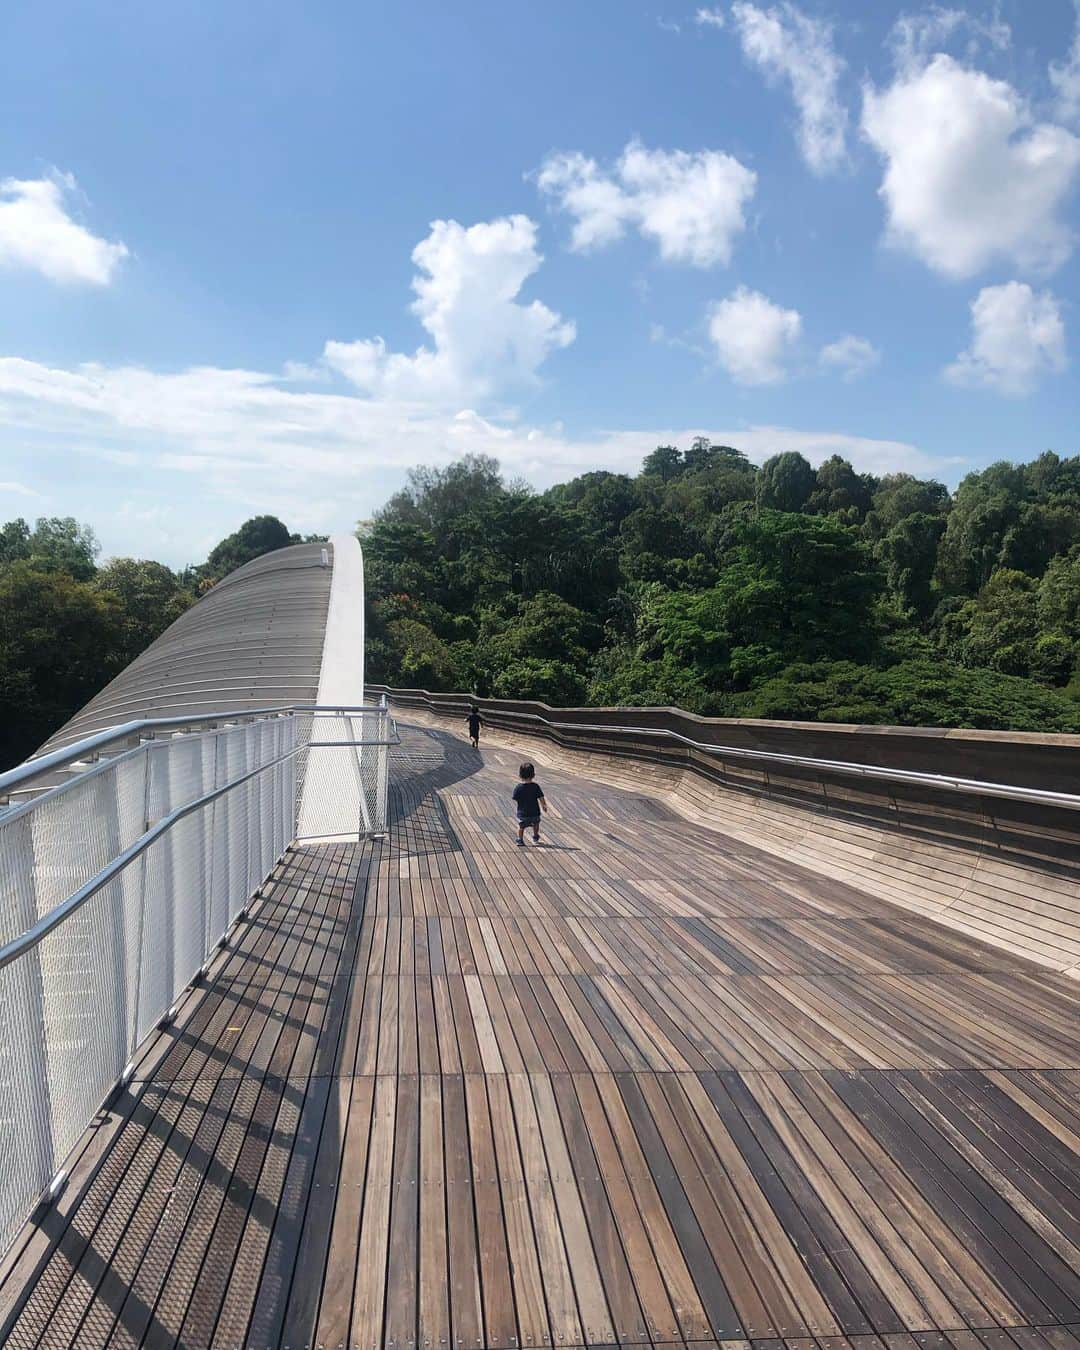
(644, 1085)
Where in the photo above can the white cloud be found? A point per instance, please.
(238, 441)
(789, 45)
(487, 343)
(37, 232)
(1065, 77)
(752, 336)
(1017, 336)
(19, 490)
(970, 178)
(916, 37)
(711, 18)
(691, 204)
(851, 356)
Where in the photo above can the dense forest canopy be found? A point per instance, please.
(704, 581)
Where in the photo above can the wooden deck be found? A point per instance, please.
(639, 1085)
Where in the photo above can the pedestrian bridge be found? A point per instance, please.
(774, 1038)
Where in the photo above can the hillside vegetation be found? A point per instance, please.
(731, 590)
(703, 582)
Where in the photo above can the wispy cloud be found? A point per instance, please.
(850, 356)
(790, 46)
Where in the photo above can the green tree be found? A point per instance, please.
(61, 544)
(665, 463)
(917, 693)
(59, 644)
(785, 482)
(997, 629)
(987, 505)
(802, 587)
(900, 495)
(151, 597)
(14, 541)
(542, 648)
(423, 659)
(258, 536)
(1059, 595)
(909, 553)
(839, 490)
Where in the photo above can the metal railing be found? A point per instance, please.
(118, 878)
(612, 733)
(845, 768)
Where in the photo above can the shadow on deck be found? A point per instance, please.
(629, 1087)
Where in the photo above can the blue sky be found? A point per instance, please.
(264, 258)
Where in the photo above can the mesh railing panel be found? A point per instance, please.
(341, 786)
(74, 1006)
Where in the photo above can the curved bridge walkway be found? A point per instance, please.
(637, 1085)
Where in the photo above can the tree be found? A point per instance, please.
(916, 693)
(899, 495)
(704, 456)
(651, 539)
(14, 541)
(996, 630)
(151, 597)
(909, 554)
(542, 648)
(605, 499)
(665, 463)
(803, 587)
(61, 544)
(399, 557)
(986, 505)
(437, 498)
(839, 490)
(423, 659)
(255, 538)
(1059, 596)
(785, 482)
(59, 644)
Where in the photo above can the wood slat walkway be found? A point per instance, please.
(640, 1085)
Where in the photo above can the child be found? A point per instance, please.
(474, 727)
(530, 801)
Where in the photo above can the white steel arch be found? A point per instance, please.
(333, 799)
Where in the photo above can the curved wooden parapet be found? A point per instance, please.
(1003, 868)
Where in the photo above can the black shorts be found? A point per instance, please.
(534, 821)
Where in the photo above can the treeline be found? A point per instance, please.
(731, 590)
(703, 581)
(68, 625)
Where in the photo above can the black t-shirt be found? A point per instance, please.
(474, 724)
(528, 797)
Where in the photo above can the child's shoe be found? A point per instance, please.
(521, 843)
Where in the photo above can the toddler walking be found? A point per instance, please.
(530, 801)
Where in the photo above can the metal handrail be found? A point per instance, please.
(18, 946)
(98, 740)
(946, 782)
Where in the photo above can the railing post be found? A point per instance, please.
(382, 772)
